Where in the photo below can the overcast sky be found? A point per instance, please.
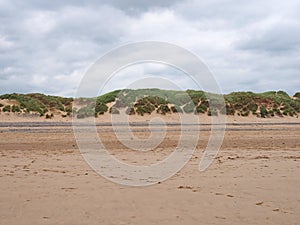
(46, 46)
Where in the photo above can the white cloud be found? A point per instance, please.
(248, 45)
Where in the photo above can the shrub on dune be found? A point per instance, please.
(6, 108)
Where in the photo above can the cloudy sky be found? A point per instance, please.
(46, 46)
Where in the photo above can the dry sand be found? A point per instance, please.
(254, 179)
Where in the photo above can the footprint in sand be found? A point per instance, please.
(193, 189)
(228, 195)
(259, 203)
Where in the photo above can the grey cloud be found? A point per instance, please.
(139, 6)
(279, 38)
(46, 46)
(129, 6)
(223, 14)
(73, 40)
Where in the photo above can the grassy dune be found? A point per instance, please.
(147, 101)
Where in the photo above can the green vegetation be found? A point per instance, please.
(297, 95)
(201, 109)
(100, 108)
(189, 107)
(85, 112)
(147, 101)
(163, 109)
(146, 105)
(15, 108)
(196, 96)
(263, 111)
(176, 109)
(108, 97)
(6, 108)
(130, 111)
(270, 103)
(39, 103)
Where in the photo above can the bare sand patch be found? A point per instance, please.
(253, 180)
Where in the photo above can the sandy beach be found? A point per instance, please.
(149, 112)
(253, 180)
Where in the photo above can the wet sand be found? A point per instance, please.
(253, 180)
